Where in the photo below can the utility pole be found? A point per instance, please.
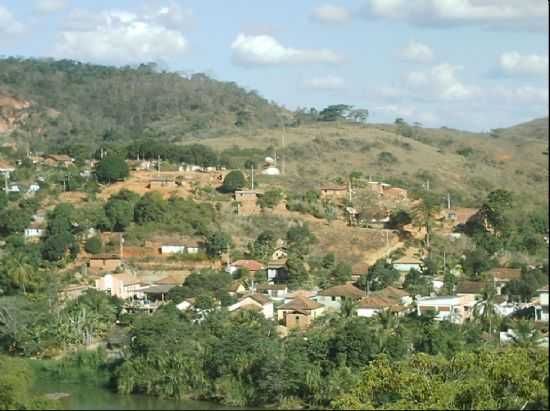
(427, 185)
(444, 262)
(448, 201)
(6, 182)
(252, 176)
(158, 165)
(349, 190)
(121, 245)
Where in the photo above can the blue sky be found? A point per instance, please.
(470, 64)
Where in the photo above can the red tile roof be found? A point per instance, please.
(346, 290)
(250, 265)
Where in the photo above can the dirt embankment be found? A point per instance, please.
(12, 111)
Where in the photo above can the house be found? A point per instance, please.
(281, 251)
(73, 291)
(275, 291)
(373, 304)
(465, 287)
(277, 271)
(6, 168)
(104, 262)
(459, 216)
(14, 188)
(453, 308)
(299, 313)
(169, 280)
(157, 292)
(378, 187)
(334, 191)
(407, 263)
(504, 275)
(309, 294)
(187, 246)
(186, 304)
(358, 270)
(252, 266)
(236, 288)
(333, 297)
(162, 182)
(255, 302)
(395, 193)
(397, 294)
(247, 201)
(58, 160)
(121, 285)
(34, 231)
(541, 310)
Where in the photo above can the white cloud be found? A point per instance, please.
(417, 52)
(493, 14)
(172, 16)
(50, 6)
(522, 94)
(409, 113)
(9, 25)
(325, 83)
(266, 50)
(119, 37)
(513, 63)
(442, 83)
(328, 13)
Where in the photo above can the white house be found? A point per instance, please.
(254, 302)
(172, 248)
(407, 263)
(34, 232)
(275, 291)
(374, 304)
(14, 188)
(120, 285)
(453, 308)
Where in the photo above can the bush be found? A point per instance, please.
(111, 168)
(387, 157)
(234, 180)
(93, 245)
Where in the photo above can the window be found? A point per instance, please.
(333, 298)
(297, 318)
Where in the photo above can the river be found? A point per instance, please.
(90, 397)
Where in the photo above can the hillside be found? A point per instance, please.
(55, 106)
(100, 103)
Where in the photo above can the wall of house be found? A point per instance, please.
(172, 249)
(368, 312)
(332, 303)
(295, 320)
(406, 267)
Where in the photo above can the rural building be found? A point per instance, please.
(334, 192)
(252, 266)
(397, 294)
(247, 201)
(465, 287)
(541, 310)
(254, 302)
(375, 304)
(104, 262)
(58, 160)
(504, 275)
(6, 168)
(277, 271)
(378, 187)
(454, 308)
(275, 291)
(299, 313)
(186, 304)
(172, 248)
(395, 194)
(161, 182)
(407, 263)
(334, 296)
(121, 285)
(236, 288)
(157, 292)
(187, 246)
(34, 231)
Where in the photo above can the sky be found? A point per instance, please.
(467, 64)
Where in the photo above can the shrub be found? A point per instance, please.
(93, 245)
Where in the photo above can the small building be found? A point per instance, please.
(157, 292)
(169, 280)
(271, 171)
(58, 160)
(541, 310)
(172, 248)
(6, 168)
(504, 275)
(453, 308)
(252, 266)
(374, 304)
(333, 297)
(399, 295)
(407, 263)
(465, 287)
(121, 285)
(104, 262)
(237, 288)
(246, 195)
(277, 271)
(274, 291)
(395, 193)
(33, 188)
(334, 191)
(186, 304)
(73, 291)
(299, 313)
(186, 246)
(281, 251)
(161, 182)
(14, 188)
(255, 302)
(34, 231)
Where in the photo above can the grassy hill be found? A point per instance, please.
(55, 104)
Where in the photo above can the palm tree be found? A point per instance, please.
(525, 334)
(19, 270)
(348, 308)
(485, 310)
(424, 213)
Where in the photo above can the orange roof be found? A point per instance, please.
(346, 290)
(259, 298)
(334, 188)
(501, 273)
(392, 293)
(376, 301)
(300, 304)
(170, 280)
(250, 265)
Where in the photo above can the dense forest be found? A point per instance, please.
(77, 102)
